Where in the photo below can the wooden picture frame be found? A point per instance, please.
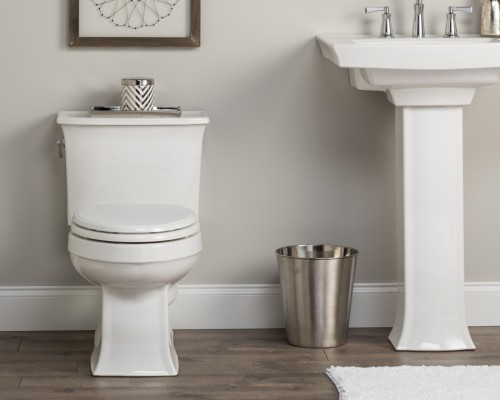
(192, 39)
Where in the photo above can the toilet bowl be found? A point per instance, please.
(136, 254)
(133, 199)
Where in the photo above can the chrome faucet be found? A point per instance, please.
(418, 20)
(386, 27)
(450, 30)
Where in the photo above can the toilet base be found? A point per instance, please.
(135, 338)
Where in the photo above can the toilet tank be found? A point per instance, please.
(132, 160)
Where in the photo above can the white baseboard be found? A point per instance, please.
(217, 306)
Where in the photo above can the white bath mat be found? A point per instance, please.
(417, 383)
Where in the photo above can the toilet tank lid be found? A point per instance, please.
(135, 218)
(84, 118)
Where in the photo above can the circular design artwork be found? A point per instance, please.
(135, 14)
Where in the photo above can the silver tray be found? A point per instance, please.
(116, 111)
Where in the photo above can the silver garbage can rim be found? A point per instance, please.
(316, 251)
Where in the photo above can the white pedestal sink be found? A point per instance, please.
(429, 81)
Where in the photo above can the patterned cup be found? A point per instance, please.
(138, 94)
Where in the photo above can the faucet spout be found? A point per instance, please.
(418, 20)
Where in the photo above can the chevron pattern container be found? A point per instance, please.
(138, 94)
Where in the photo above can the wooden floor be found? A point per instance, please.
(218, 365)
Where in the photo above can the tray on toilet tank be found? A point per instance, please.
(116, 111)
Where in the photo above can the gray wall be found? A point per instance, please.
(293, 154)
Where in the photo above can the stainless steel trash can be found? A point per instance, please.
(316, 286)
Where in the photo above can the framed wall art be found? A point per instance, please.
(137, 23)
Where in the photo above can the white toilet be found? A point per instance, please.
(133, 193)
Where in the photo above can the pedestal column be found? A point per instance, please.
(429, 153)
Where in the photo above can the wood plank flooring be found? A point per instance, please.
(214, 365)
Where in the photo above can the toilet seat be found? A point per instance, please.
(135, 223)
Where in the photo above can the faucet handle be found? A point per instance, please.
(384, 9)
(386, 27)
(451, 23)
(467, 9)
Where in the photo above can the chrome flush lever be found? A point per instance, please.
(61, 147)
(451, 23)
(386, 27)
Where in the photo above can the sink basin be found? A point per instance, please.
(430, 53)
(429, 81)
(436, 65)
